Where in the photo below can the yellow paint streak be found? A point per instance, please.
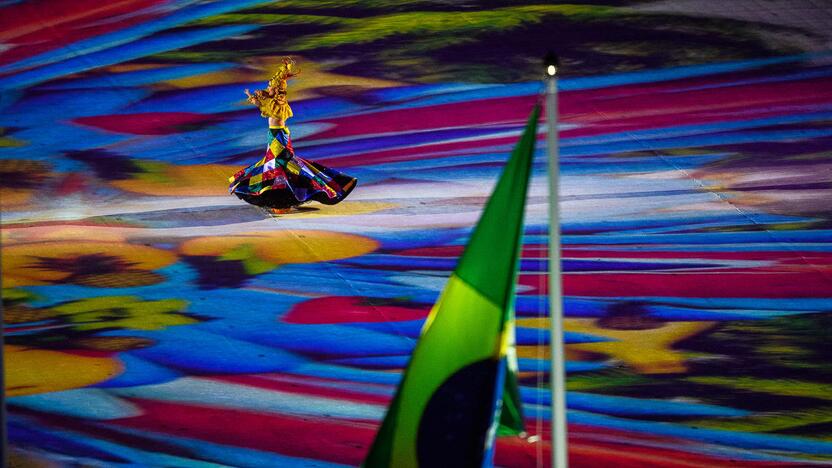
(11, 199)
(28, 235)
(170, 180)
(647, 351)
(131, 67)
(21, 263)
(345, 208)
(305, 86)
(282, 247)
(535, 352)
(533, 322)
(8, 142)
(32, 371)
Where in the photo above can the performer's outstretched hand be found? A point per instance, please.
(252, 99)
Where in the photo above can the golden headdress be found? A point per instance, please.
(286, 70)
(272, 100)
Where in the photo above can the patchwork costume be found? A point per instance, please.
(281, 179)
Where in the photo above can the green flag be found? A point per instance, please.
(451, 395)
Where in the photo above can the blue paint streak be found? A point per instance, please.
(230, 455)
(628, 406)
(735, 439)
(479, 92)
(707, 238)
(524, 335)
(139, 49)
(87, 47)
(138, 371)
(406, 262)
(700, 141)
(25, 433)
(140, 77)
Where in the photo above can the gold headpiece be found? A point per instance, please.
(286, 70)
(272, 100)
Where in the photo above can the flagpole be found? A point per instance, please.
(556, 349)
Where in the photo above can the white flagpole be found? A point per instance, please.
(558, 371)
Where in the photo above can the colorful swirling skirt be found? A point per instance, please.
(282, 180)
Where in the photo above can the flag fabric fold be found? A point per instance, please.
(461, 380)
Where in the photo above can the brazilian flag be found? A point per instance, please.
(461, 381)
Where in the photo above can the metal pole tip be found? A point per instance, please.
(551, 62)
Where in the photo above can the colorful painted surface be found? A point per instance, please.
(151, 319)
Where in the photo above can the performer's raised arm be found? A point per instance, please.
(251, 98)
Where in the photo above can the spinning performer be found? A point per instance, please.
(281, 180)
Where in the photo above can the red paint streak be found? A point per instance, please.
(595, 111)
(653, 104)
(345, 309)
(34, 27)
(672, 119)
(303, 388)
(150, 123)
(761, 96)
(455, 251)
(591, 446)
(490, 111)
(324, 439)
(411, 153)
(319, 439)
(595, 252)
(38, 15)
(347, 441)
(783, 259)
(71, 183)
(640, 101)
(516, 452)
(782, 285)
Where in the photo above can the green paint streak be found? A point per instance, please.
(124, 312)
(773, 422)
(444, 27)
(246, 254)
(785, 387)
(605, 380)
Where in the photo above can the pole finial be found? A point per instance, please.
(551, 63)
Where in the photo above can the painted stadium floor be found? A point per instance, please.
(153, 320)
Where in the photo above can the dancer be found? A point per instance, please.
(281, 180)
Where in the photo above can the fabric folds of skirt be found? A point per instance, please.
(282, 180)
